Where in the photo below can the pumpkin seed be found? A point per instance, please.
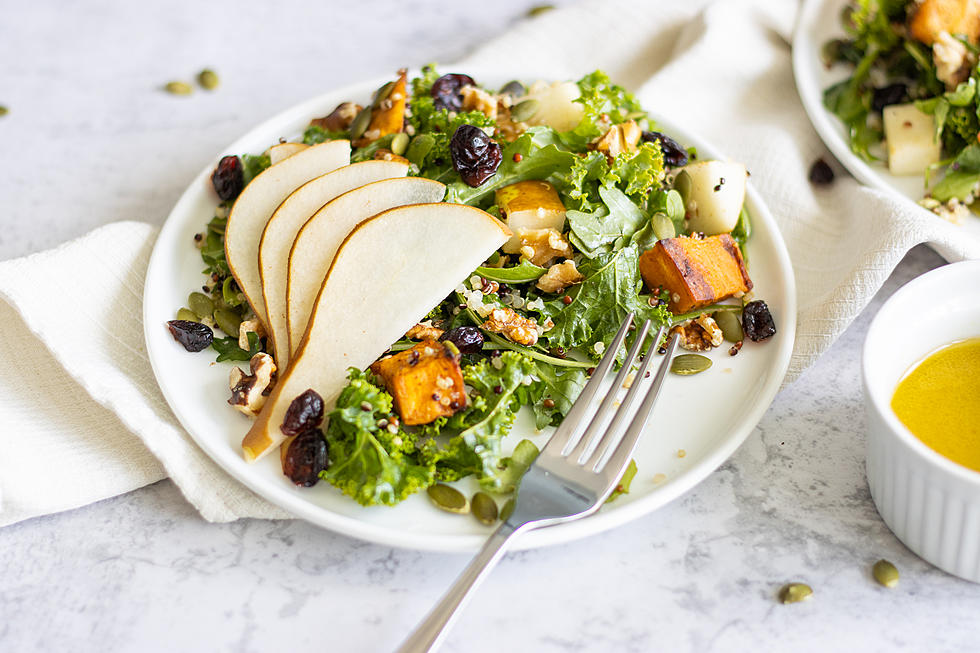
(687, 364)
(187, 314)
(4, 110)
(524, 110)
(227, 321)
(514, 89)
(885, 573)
(208, 79)
(178, 88)
(730, 327)
(507, 510)
(448, 498)
(794, 593)
(682, 184)
(382, 94)
(399, 143)
(484, 508)
(201, 304)
(540, 9)
(360, 124)
(663, 227)
(419, 147)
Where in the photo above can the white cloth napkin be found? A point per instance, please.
(83, 419)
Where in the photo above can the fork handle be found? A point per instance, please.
(432, 631)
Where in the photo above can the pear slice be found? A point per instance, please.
(318, 240)
(282, 151)
(285, 223)
(387, 274)
(255, 205)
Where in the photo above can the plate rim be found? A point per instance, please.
(567, 532)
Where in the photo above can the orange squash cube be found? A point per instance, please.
(389, 116)
(425, 381)
(695, 271)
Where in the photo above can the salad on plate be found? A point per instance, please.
(407, 274)
(911, 98)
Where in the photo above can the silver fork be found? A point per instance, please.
(571, 478)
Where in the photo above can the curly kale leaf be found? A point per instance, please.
(600, 97)
(560, 386)
(367, 462)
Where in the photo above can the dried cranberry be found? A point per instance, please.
(757, 321)
(891, 94)
(821, 173)
(228, 178)
(305, 458)
(304, 413)
(674, 154)
(476, 156)
(445, 91)
(194, 336)
(468, 339)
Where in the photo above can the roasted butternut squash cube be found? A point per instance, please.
(930, 18)
(388, 115)
(695, 271)
(425, 381)
(531, 204)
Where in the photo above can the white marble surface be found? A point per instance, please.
(89, 140)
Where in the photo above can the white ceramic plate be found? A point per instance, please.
(707, 415)
(818, 22)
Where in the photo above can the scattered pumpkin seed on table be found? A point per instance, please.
(794, 593)
(4, 110)
(178, 88)
(885, 573)
(208, 79)
(448, 498)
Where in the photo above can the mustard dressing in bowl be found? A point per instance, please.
(938, 399)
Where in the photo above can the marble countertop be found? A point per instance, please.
(90, 140)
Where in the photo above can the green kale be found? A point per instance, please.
(315, 134)
(560, 386)
(600, 97)
(213, 249)
(609, 227)
(228, 349)
(253, 164)
(640, 172)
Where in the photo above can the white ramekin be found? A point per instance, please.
(931, 503)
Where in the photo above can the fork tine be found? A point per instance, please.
(576, 415)
(608, 438)
(617, 463)
(588, 438)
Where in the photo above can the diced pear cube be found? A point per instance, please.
(910, 136)
(556, 105)
(530, 205)
(713, 193)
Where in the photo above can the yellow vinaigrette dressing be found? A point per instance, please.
(939, 401)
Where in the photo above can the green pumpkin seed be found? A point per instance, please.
(178, 88)
(687, 364)
(682, 184)
(730, 327)
(540, 9)
(794, 593)
(4, 110)
(507, 510)
(399, 143)
(227, 321)
(448, 498)
(514, 89)
(208, 79)
(187, 314)
(484, 508)
(419, 147)
(885, 573)
(663, 227)
(201, 304)
(360, 124)
(382, 94)
(524, 110)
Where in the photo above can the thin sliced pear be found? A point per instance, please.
(285, 223)
(388, 273)
(318, 240)
(282, 151)
(255, 205)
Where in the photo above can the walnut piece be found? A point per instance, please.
(620, 138)
(424, 331)
(700, 334)
(247, 390)
(476, 99)
(340, 118)
(953, 63)
(560, 276)
(520, 329)
(249, 326)
(540, 246)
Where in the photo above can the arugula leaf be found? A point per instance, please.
(213, 249)
(228, 349)
(597, 233)
(521, 273)
(370, 464)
